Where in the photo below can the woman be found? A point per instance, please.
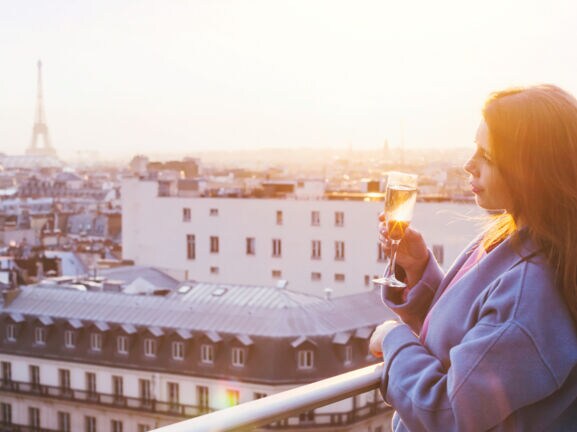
(492, 345)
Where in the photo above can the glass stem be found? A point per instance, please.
(393, 260)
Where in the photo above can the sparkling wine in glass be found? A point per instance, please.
(400, 198)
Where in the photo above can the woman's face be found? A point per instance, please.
(487, 183)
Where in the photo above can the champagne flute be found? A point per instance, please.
(400, 198)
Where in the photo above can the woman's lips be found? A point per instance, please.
(476, 189)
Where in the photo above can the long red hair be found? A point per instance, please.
(533, 139)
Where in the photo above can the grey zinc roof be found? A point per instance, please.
(240, 310)
(129, 274)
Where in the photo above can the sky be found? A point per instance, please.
(126, 77)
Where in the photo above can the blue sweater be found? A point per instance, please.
(499, 354)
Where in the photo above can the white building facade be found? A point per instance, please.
(313, 244)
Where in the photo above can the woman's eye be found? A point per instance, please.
(484, 155)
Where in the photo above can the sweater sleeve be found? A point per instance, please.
(479, 389)
(413, 311)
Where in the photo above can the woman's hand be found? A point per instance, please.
(378, 335)
(412, 254)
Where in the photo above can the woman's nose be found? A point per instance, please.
(470, 167)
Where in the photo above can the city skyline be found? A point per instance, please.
(191, 77)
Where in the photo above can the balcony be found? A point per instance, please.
(275, 409)
(104, 399)
(286, 410)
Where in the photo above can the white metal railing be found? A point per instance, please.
(261, 412)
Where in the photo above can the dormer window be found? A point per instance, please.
(149, 347)
(11, 333)
(207, 354)
(122, 345)
(348, 355)
(41, 331)
(69, 339)
(305, 352)
(96, 342)
(40, 336)
(306, 359)
(177, 350)
(238, 356)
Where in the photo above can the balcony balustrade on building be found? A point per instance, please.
(274, 411)
(285, 410)
(24, 428)
(112, 400)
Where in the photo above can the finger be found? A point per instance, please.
(375, 349)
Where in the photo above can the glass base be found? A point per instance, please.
(391, 282)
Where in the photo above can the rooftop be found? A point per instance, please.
(233, 309)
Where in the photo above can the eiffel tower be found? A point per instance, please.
(40, 129)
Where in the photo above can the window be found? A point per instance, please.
(348, 354)
(95, 341)
(250, 246)
(316, 249)
(89, 424)
(186, 214)
(206, 353)
(279, 217)
(339, 250)
(190, 247)
(40, 336)
(63, 421)
(34, 417)
(339, 277)
(5, 413)
(144, 390)
(11, 333)
(117, 387)
(276, 248)
(122, 345)
(213, 212)
(259, 395)
(143, 427)
(115, 426)
(315, 218)
(214, 270)
(315, 276)
(439, 253)
(381, 256)
(339, 218)
(173, 394)
(307, 417)
(149, 347)
(177, 350)
(232, 397)
(6, 372)
(34, 372)
(305, 359)
(367, 280)
(69, 339)
(202, 399)
(90, 383)
(276, 274)
(64, 380)
(238, 356)
(213, 244)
